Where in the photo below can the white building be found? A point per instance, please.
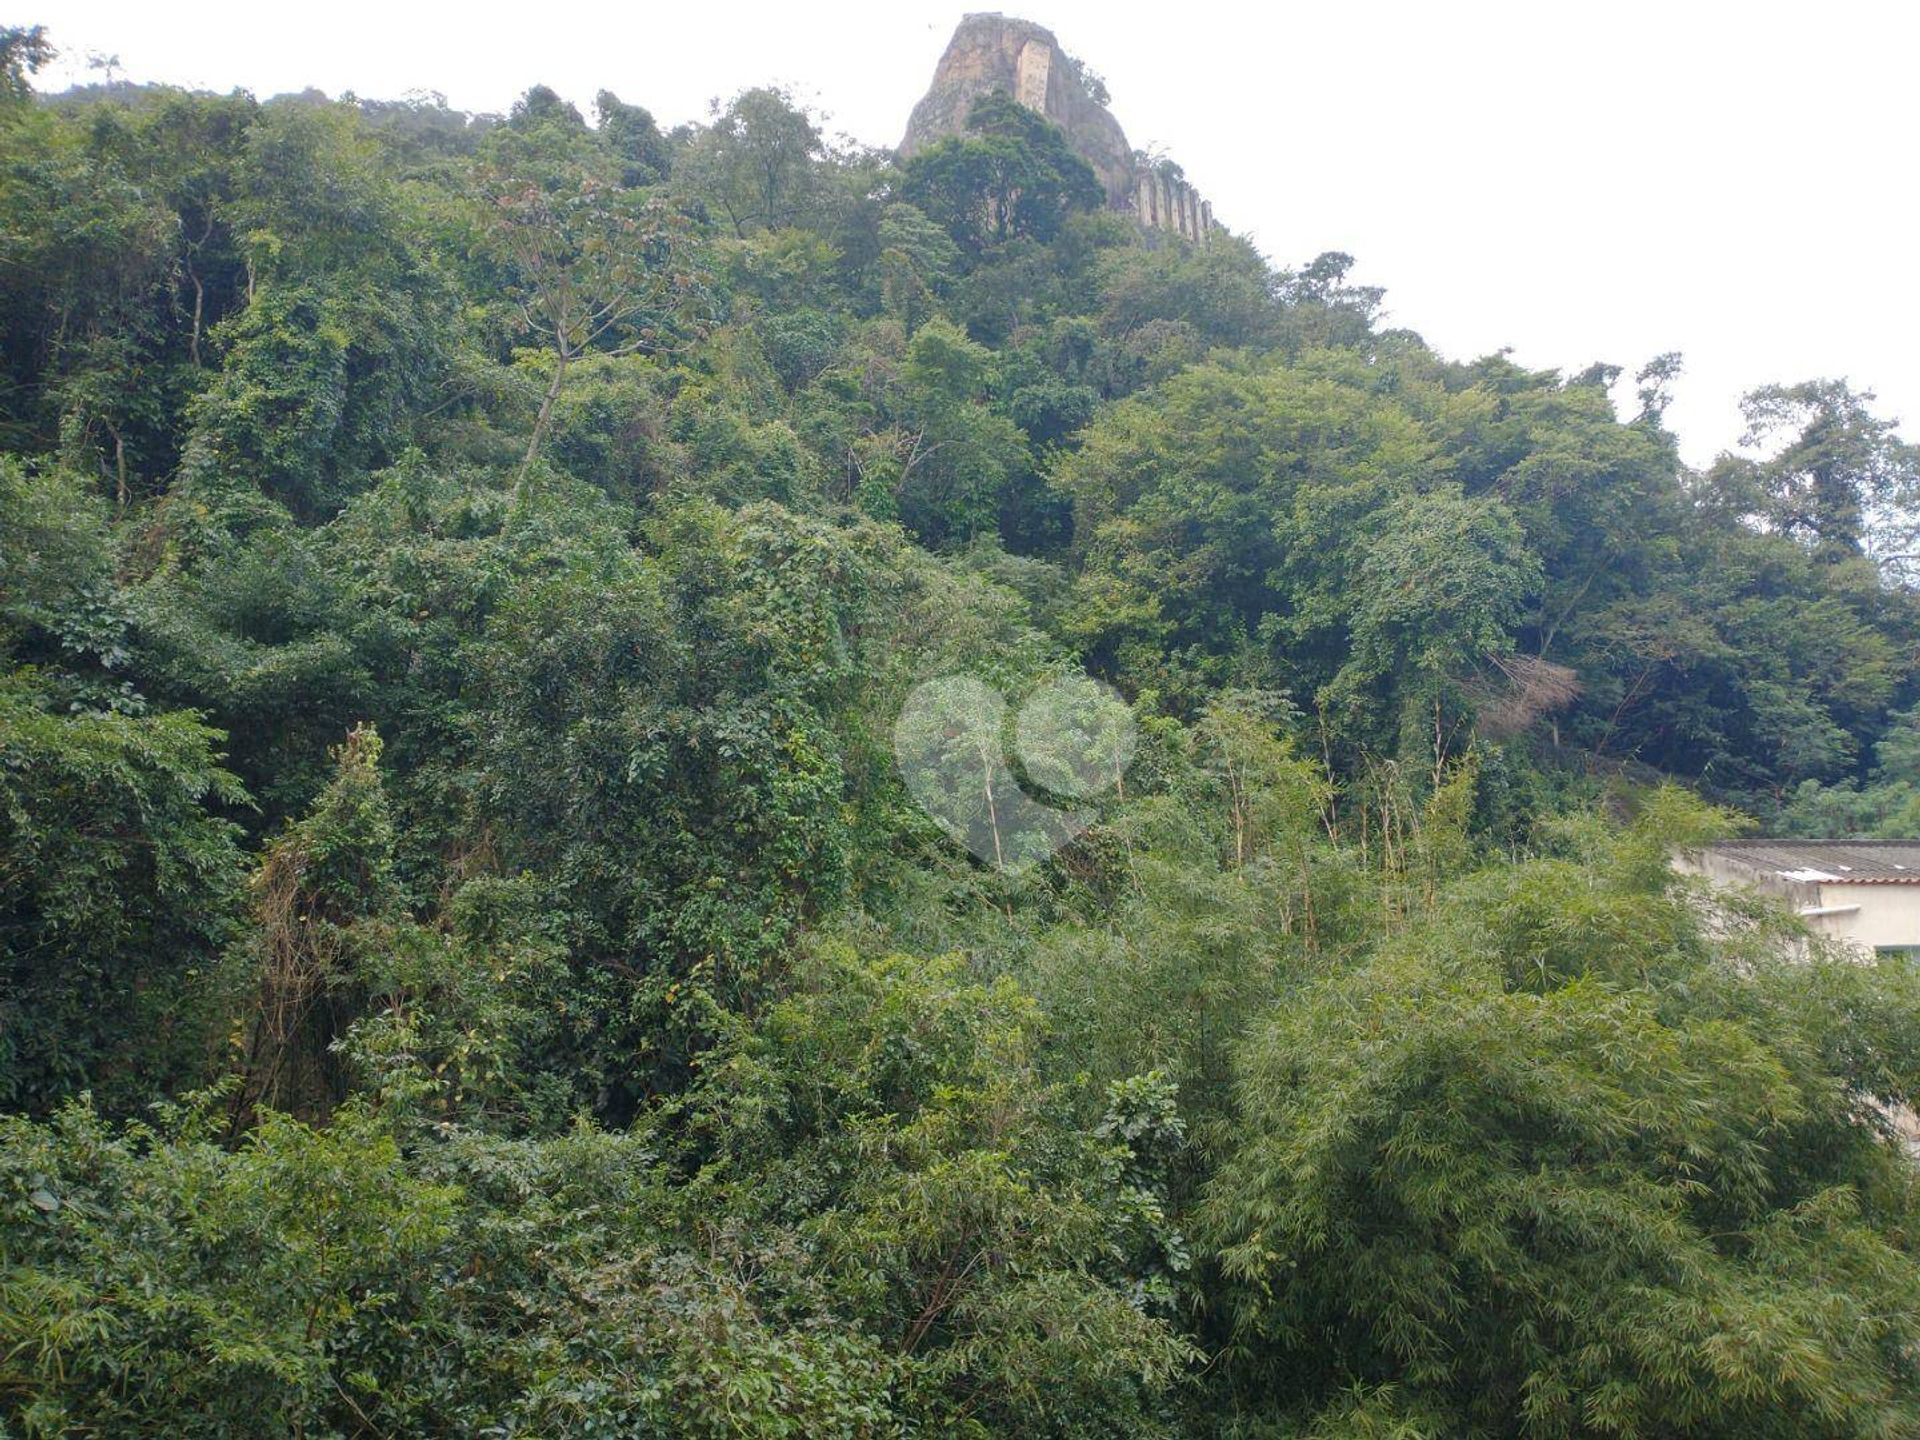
(1865, 892)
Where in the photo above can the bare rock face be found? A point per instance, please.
(992, 52)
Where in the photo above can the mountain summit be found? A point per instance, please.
(991, 52)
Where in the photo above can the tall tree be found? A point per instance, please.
(756, 163)
(24, 52)
(630, 133)
(1841, 481)
(595, 268)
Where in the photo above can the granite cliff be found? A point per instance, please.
(992, 52)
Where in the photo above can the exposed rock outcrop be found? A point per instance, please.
(992, 52)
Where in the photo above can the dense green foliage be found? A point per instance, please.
(470, 963)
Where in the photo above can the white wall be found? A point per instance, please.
(1871, 916)
(1888, 914)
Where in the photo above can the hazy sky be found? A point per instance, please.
(1576, 182)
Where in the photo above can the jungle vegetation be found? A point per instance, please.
(470, 964)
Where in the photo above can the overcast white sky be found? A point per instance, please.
(1577, 182)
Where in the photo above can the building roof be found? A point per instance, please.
(1829, 862)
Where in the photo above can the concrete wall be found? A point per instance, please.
(1887, 915)
(1870, 916)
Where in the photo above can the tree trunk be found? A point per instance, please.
(540, 423)
(119, 467)
(199, 310)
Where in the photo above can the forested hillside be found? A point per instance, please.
(473, 961)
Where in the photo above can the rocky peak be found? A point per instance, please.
(992, 52)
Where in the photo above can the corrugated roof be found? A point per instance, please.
(1830, 862)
